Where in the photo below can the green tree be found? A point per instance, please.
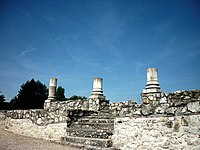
(31, 95)
(2, 101)
(60, 94)
(75, 97)
(2, 98)
(4, 105)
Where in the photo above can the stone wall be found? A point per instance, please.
(38, 116)
(149, 133)
(167, 121)
(92, 104)
(49, 123)
(26, 127)
(163, 121)
(62, 106)
(54, 112)
(40, 123)
(177, 103)
(129, 108)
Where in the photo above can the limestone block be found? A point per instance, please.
(146, 100)
(187, 97)
(137, 112)
(151, 97)
(159, 110)
(194, 106)
(147, 109)
(163, 100)
(178, 103)
(2, 116)
(181, 110)
(39, 121)
(178, 92)
(171, 110)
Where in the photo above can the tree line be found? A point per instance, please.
(32, 95)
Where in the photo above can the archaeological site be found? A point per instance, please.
(162, 121)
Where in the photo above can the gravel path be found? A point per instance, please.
(10, 141)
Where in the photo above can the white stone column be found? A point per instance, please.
(97, 101)
(52, 89)
(97, 91)
(97, 86)
(152, 85)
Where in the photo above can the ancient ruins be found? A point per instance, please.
(162, 121)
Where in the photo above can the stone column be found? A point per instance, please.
(97, 101)
(97, 91)
(152, 92)
(152, 85)
(52, 89)
(97, 86)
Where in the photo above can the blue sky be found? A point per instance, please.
(117, 40)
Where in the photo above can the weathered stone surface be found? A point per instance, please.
(179, 132)
(27, 128)
(128, 108)
(163, 100)
(100, 143)
(171, 110)
(152, 85)
(147, 109)
(94, 129)
(49, 123)
(97, 92)
(52, 89)
(194, 106)
(159, 110)
(2, 116)
(161, 103)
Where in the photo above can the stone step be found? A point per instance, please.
(89, 125)
(87, 147)
(101, 113)
(91, 133)
(101, 143)
(99, 117)
(96, 120)
(94, 123)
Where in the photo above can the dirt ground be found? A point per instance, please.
(10, 141)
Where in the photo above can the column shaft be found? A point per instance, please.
(52, 89)
(152, 85)
(97, 91)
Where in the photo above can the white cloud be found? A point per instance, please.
(23, 53)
